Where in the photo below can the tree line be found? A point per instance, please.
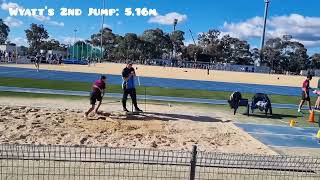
(279, 54)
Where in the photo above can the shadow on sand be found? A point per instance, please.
(273, 116)
(146, 116)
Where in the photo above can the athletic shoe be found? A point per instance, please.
(97, 113)
(138, 110)
(126, 110)
(85, 115)
(299, 110)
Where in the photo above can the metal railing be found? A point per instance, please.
(31, 162)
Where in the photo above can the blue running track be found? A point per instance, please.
(150, 81)
(283, 136)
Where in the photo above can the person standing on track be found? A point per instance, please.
(128, 86)
(6, 56)
(37, 61)
(98, 91)
(305, 96)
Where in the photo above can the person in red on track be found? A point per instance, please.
(305, 96)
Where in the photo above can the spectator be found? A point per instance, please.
(6, 57)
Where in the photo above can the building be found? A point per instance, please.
(10, 48)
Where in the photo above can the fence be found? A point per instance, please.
(31, 162)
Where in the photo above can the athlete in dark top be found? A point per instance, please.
(128, 86)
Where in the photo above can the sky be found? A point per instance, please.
(242, 19)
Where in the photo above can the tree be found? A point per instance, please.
(4, 32)
(315, 60)
(242, 54)
(131, 42)
(108, 40)
(271, 54)
(209, 38)
(134, 48)
(191, 51)
(210, 42)
(126, 47)
(177, 38)
(118, 52)
(148, 50)
(283, 55)
(235, 51)
(296, 56)
(52, 44)
(36, 35)
(160, 40)
(23, 50)
(255, 54)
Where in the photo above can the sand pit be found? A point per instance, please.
(182, 73)
(162, 130)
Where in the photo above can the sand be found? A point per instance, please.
(60, 122)
(182, 73)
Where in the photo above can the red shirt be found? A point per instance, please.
(100, 84)
(306, 85)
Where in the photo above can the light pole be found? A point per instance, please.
(194, 42)
(103, 5)
(68, 46)
(74, 42)
(81, 53)
(266, 10)
(175, 22)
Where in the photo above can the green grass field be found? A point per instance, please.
(155, 91)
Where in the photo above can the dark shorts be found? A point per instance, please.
(304, 98)
(94, 97)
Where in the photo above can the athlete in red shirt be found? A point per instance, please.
(305, 96)
(98, 90)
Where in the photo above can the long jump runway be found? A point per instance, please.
(149, 81)
(282, 136)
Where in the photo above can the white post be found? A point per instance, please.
(264, 26)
